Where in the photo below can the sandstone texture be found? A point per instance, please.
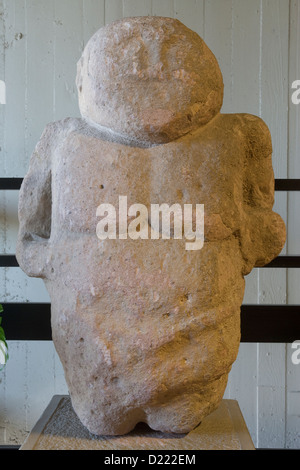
(150, 79)
(146, 330)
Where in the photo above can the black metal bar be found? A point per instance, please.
(10, 183)
(259, 323)
(8, 261)
(270, 323)
(281, 184)
(287, 184)
(27, 321)
(284, 261)
(8, 447)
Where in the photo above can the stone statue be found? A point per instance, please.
(146, 329)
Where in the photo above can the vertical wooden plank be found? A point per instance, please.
(39, 83)
(136, 8)
(272, 283)
(2, 77)
(274, 78)
(16, 393)
(293, 398)
(40, 383)
(294, 109)
(2, 193)
(242, 385)
(218, 36)
(165, 8)
(69, 44)
(14, 160)
(16, 79)
(11, 220)
(251, 288)
(60, 384)
(2, 212)
(293, 229)
(93, 17)
(190, 13)
(246, 56)
(113, 10)
(271, 396)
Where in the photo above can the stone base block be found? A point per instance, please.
(60, 429)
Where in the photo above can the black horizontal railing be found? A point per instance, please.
(286, 261)
(287, 184)
(8, 261)
(10, 183)
(259, 323)
(280, 184)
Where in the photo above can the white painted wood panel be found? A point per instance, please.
(219, 13)
(195, 21)
(134, 8)
(113, 11)
(68, 38)
(165, 8)
(94, 16)
(257, 45)
(293, 242)
(15, 76)
(39, 46)
(2, 106)
(272, 282)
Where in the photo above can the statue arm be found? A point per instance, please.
(35, 203)
(263, 230)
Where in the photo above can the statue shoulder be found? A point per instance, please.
(52, 136)
(253, 129)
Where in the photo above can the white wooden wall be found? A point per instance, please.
(257, 44)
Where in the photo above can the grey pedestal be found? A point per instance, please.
(60, 429)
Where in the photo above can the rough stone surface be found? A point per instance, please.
(150, 79)
(146, 330)
(60, 429)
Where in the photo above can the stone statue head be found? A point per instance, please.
(150, 83)
(147, 330)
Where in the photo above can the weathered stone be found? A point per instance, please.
(60, 429)
(151, 79)
(147, 330)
